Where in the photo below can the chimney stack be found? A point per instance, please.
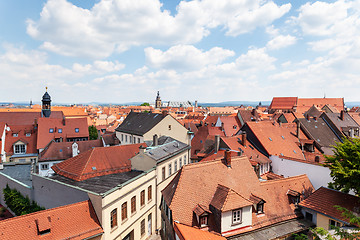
(63, 121)
(142, 149)
(217, 143)
(243, 139)
(75, 149)
(228, 158)
(342, 113)
(222, 126)
(155, 140)
(308, 117)
(298, 129)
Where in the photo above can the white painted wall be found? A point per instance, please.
(318, 175)
(126, 138)
(226, 219)
(47, 172)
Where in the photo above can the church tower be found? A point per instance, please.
(158, 101)
(46, 105)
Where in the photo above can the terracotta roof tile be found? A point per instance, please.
(63, 150)
(21, 131)
(56, 223)
(283, 102)
(226, 199)
(323, 201)
(190, 233)
(182, 195)
(303, 104)
(68, 129)
(98, 162)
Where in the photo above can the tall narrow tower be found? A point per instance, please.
(158, 101)
(46, 105)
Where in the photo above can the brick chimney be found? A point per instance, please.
(243, 139)
(217, 143)
(298, 129)
(228, 158)
(155, 140)
(342, 113)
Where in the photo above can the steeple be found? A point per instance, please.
(158, 101)
(46, 105)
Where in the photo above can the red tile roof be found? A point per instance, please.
(74, 221)
(21, 130)
(285, 103)
(185, 232)
(68, 130)
(226, 199)
(25, 118)
(182, 195)
(63, 150)
(323, 201)
(98, 162)
(277, 140)
(303, 104)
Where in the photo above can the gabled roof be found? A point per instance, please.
(63, 150)
(185, 232)
(324, 199)
(68, 129)
(285, 103)
(319, 131)
(74, 221)
(277, 140)
(208, 175)
(139, 123)
(25, 118)
(303, 104)
(313, 112)
(21, 131)
(226, 199)
(98, 162)
(348, 121)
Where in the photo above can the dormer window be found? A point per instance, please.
(260, 207)
(203, 221)
(237, 216)
(19, 149)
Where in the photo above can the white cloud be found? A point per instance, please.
(185, 57)
(321, 18)
(281, 41)
(113, 25)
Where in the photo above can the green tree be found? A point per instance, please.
(145, 104)
(93, 134)
(345, 166)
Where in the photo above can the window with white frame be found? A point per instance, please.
(19, 148)
(175, 165)
(237, 216)
(169, 169)
(44, 166)
(180, 162)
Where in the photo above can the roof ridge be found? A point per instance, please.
(87, 162)
(44, 211)
(284, 179)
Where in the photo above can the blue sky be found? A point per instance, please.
(209, 50)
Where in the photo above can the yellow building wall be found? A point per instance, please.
(323, 221)
(133, 221)
(169, 127)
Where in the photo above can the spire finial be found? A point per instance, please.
(46, 88)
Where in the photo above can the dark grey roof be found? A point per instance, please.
(139, 123)
(319, 131)
(167, 147)
(312, 112)
(100, 184)
(347, 122)
(19, 172)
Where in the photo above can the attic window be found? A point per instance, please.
(260, 208)
(76, 130)
(60, 130)
(234, 126)
(15, 135)
(203, 221)
(28, 134)
(46, 231)
(51, 130)
(169, 127)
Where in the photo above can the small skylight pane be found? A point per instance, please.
(283, 137)
(294, 151)
(93, 168)
(270, 139)
(315, 126)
